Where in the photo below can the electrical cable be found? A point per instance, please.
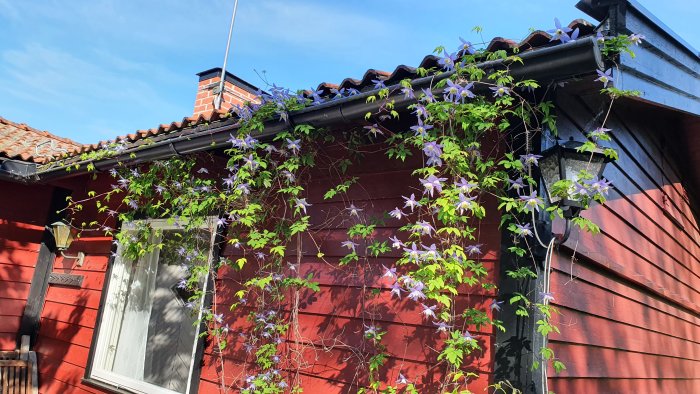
(545, 301)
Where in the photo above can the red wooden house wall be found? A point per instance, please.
(23, 213)
(630, 298)
(335, 316)
(330, 316)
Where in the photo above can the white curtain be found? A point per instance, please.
(128, 344)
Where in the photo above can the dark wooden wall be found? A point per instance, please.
(23, 211)
(630, 297)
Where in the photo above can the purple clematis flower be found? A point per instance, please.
(431, 252)
(349, 244)
(431, 184)
(421, 112)
(396, 290)
(289, 176)
(427, 96)
(413, 254)
(294, 145)
(160, 189)
(464, 203)
(467, 336)
(530, 159)
(531, 202)
(424, 227)
(338, 93)
(579, 190)
(408, 93)
(397, 213)
(601, 186)
(371, 331)
(466, 46)
(251, 162)
(411, 202)
(547, 297)
(448, 61)
(221, 222)
(301, 203)
(396, 243)
(500, 90)
(517, 184)
(496, 305)
(465, 187)
(202, 171)
(452, 90)
(598, 133)
(474, 249)
(421, 130)
(243, 188)
(465, 92)
(401, 379)
(378, 84)
(228, 182)
(428, 311)
(559, 32)
(605, 77)
(374, 130)
(524, 230)
(433, 150)
(389, 272)
(636, 39)
(442, 326)
(354, 211)
(416, 291)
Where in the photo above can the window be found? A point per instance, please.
(147, 336)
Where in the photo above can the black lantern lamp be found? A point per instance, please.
(565, 162)
(63, 237)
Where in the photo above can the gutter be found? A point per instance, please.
(545, 64)
(17, 170)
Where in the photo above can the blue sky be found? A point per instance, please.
(93, 69)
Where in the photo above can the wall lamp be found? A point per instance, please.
(565, 162)
(63, 237)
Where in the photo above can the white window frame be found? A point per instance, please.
(106, 316)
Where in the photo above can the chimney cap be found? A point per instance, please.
(241, 83)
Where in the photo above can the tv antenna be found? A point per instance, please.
(220, 95)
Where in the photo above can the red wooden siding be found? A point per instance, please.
(630, 298)
(69, 314)
(21, 227)
(334, 314)
(331, 321)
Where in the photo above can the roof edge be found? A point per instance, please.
(551, 63)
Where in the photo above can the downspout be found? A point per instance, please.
(552, 63)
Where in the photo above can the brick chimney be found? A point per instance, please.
(236, 91)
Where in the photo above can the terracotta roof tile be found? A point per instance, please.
(19, 141)
(537, 39)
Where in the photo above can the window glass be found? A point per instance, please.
(148, 333)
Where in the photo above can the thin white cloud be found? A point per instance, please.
(54, 80)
